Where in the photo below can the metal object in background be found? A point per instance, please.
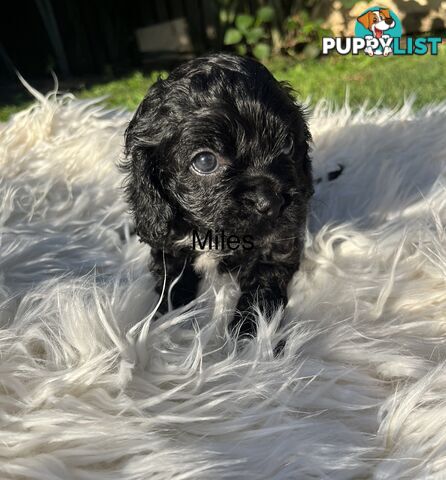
(165, 41)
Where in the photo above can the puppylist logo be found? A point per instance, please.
(378, 32)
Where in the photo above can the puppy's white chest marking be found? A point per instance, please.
(205, 263)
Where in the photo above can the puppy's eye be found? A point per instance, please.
(205, 163)
(288, 147)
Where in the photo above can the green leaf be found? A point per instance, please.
(291, 23)
(265, 14)
(241, 49)
(262, 51)
(232, 36)
(304, 16)
(253, 35)
(308, 28)
(348, 3)
(243, 22)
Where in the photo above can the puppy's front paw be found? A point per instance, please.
(244, 323)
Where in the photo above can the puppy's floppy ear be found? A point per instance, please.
(305, 146)
(297, 124)
(366, 20)
(146, 196)
(385, 12)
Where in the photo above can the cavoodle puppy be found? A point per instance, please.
(219, 177)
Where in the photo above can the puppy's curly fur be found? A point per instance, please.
(254, 136)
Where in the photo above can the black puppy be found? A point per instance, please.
(219, 153)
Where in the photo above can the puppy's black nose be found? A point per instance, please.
(268, 204)
(261, 195)
(389, 21)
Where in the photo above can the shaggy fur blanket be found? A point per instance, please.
(93, 387)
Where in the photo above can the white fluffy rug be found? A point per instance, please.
(92, 387)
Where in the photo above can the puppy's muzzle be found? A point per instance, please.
(262, 198)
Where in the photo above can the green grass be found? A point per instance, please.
(126, 92)
(385, 79)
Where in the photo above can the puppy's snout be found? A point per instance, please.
(261, 195)
(263, 199)
(268, 204)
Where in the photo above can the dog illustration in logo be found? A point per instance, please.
(378, 22)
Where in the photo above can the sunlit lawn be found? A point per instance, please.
(376, 78)
(386, 79)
